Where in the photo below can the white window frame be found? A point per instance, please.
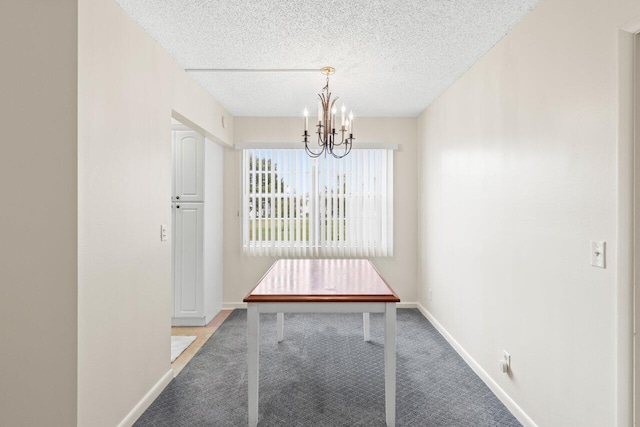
(381, 246)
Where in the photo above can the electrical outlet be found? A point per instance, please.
(598, 253)
(163, 232)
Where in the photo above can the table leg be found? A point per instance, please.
(253, 360)
(280, 327)
(365, 321)
(390, 362)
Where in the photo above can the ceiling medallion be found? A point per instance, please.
(328, 141)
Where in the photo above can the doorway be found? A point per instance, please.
(196, 241)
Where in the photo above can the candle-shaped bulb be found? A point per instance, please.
(342, 117)
(333, 117)
(320, 112)
(306, 119)
(351, 122)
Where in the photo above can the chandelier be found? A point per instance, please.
(336, 142)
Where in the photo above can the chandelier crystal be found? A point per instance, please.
(336, 142)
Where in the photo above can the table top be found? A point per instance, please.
(322, 280)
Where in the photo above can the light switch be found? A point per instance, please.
(163, 232)
(598, 253)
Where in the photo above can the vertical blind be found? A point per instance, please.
(296, 206)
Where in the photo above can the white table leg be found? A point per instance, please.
(390, 362)
(280, 327)
(365, 321)
(253, 360)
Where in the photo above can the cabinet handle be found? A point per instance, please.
(177, 197)
(178, 207)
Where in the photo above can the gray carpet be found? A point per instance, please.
(325, 374)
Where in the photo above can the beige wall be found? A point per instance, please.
(518, 174)
(128, 87)
(242, 272)
(38, 253)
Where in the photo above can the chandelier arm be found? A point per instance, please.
(321, 142)
(342, 140)
(347, 150)
(324, 100)
(329, 111)
(312, 153)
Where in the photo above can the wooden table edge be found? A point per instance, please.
(321, 298)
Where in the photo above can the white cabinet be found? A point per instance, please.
(197, 229)
(188, 271)
(188, 154)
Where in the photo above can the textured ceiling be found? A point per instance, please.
(392, 58)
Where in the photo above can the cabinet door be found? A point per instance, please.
(189, 166)
(188, 298)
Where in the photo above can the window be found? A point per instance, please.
(294, 205)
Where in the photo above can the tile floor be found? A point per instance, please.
(202, 334)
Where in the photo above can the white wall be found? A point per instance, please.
(213, 240)
(518, 174)
(38, 253)
(242, 272)
(127, 89)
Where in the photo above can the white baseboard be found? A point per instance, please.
(516, 410)
(234, 305)
(148, 398)
(407, 305)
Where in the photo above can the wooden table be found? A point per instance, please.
(322, 286)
